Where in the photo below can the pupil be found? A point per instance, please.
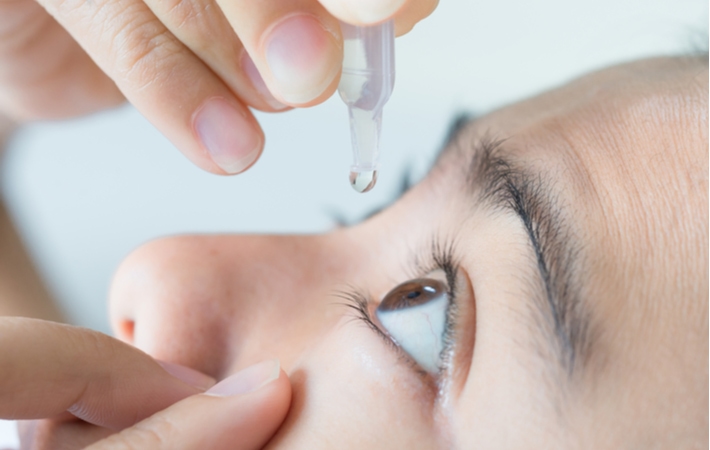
(414, 294)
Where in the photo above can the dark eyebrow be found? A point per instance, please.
(495, 179)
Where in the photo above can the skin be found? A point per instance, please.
(51, 369)
(625, 154)
(173, 59)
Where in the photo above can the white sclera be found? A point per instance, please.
(419, 330)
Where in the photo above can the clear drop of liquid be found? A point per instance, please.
(363, 181)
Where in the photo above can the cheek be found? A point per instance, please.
(351, 388)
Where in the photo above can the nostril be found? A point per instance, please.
(125, 330)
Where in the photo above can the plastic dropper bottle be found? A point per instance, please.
(365, 86)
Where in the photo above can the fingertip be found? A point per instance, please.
(402, 28)
(219, 421)
(257, 398)
(303, 54)
(229, 134)
(411, 14)
(257, 81)
(363, 12)
(325, 95)
(280, 396)
(188, 375)
(259, 414)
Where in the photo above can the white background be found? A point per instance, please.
(86, 192)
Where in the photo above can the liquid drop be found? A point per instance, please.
(363, 181)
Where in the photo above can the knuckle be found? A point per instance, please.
(127, 40)
(184, 13)
(143, 50)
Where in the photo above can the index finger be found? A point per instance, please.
(48, 368)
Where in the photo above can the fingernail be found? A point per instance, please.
(231, 139)
(247, 380)
(188, 375)
(373, 11)
(258, 82)
(303, 58)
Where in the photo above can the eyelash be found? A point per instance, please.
(441, 257)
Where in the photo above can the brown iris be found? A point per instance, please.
(412, 293)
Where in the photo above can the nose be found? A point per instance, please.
(220, 303)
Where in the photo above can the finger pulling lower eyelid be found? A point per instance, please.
(188, 375)
(229, 135)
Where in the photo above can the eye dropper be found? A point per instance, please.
(365, 86)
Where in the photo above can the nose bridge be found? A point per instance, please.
(283, 289)
(282, 268)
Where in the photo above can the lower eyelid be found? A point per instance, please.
(362, 308)
(395, 369)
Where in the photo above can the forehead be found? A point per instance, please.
(625, 151)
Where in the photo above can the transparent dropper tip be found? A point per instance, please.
(363, 181)
(365, 133)
(365, 86)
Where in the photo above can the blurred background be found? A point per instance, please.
(85, 193)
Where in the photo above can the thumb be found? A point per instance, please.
(405, 13)
(241, 412)
(48, 368)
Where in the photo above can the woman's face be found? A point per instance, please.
(557, 254)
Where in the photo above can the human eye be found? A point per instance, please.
(418, 316)
(415, 316)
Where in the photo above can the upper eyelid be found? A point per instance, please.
(441, 256)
